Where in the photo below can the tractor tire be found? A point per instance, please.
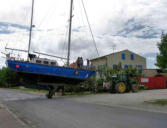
(135, 88)
(120, 87)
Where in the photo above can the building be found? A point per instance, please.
(153, 72)
(124, 59)
(150, 72)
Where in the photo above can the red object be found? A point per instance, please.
(17, 66)
(76, 73)
(73, 65)
(158, 82)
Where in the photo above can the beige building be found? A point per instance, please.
(125, 59)
(149, 72)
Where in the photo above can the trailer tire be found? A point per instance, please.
(48, 96)
(120, 87)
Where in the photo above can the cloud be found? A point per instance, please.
(132, 28)
(132, 24)
(151, 59)
(9, 28)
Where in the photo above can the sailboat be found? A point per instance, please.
(46, 71)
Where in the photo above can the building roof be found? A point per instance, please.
(116, 53)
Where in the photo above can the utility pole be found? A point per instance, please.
(69, 35)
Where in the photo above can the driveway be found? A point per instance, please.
(129, 100)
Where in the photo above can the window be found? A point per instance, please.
(53, 63)
(45, 62)
(140, 66)
(130, 66)
(119, 65)
(93, 67)
(38, 61)
(123, 56)
(101, 70)
(126, 66)
(102, 67)
(114, 66)
(132, 57)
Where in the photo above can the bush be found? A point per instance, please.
(8, 78)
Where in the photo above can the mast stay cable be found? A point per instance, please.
(90, 27)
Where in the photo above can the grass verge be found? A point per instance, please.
(58, 93)
(162, 102)
(30, 90)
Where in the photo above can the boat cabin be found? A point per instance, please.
(43, 61)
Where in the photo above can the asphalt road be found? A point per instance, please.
(64, 112)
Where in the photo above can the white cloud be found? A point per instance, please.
(107, 18)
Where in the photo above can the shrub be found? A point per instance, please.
(8, 78)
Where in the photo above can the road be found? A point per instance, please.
(65, 112)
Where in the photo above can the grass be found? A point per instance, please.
(66, 93)
(162, 102)
(30, 90)
(79, 93)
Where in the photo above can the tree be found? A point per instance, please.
(8, 78)
(162, 57)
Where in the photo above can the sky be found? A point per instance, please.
(116, 25)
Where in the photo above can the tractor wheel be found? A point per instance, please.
(120, 87)
(135, 88)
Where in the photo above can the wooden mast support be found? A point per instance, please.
(69, 35)
(29, 44)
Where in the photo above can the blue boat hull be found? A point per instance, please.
(55, 72)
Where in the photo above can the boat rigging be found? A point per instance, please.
(46, 71)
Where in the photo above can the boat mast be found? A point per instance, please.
(69, 35)
(29, 44)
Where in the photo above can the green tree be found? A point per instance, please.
(8, 78)
(162, 57)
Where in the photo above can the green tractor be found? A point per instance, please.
(121, 83)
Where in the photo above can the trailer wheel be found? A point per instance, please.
(135, 88)
(51, 92)
(120, 87)
(48, 96)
